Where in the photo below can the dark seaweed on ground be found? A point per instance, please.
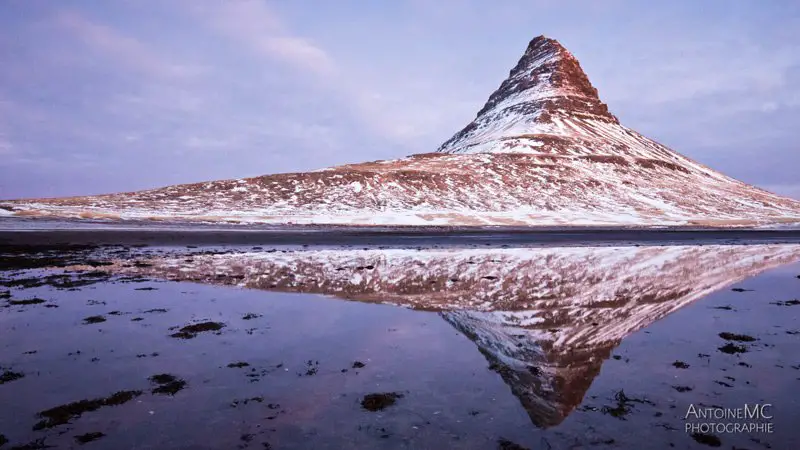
(623, 406)
(191, 331)
(8, 376)
(505, 444)
(59, 281)
(736, 337)
(38, 444)
(380, 401)
(63, 414)
(731, 348)
(794, 302)
(94, 319)
(26, 257)
(707, 439)
(245, 401)
(88, 437)
(168, 384)
(32, 301)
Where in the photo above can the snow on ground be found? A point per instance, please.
(544, 151)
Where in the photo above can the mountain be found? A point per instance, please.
(543, 151)
(545, 319)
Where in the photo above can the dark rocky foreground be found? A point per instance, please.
(113, 346)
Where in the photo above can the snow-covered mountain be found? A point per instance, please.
(544, 150)
(545, 318)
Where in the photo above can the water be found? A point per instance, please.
(482, 347)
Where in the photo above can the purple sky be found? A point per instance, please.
(100, 96)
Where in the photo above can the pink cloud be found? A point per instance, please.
(123, 49)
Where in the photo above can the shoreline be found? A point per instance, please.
(391, 237)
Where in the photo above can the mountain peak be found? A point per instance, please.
(541, 44)
(544, 151)
(547, 81)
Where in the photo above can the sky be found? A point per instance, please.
(104, 96)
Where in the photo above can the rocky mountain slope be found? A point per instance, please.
(544, 150)
(545, 318)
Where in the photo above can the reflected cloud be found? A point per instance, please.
(545, 318)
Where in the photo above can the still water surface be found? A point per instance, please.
(550, 347)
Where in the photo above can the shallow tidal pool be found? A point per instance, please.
(579, 347)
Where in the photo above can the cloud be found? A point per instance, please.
(300, 52)
(391, 108)
(166, 99)
(6, 148)
(253, 24)
(229, 88)
(685, 71)
(125, 50)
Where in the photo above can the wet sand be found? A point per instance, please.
(127, 347)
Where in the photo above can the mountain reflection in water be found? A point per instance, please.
(545, 318)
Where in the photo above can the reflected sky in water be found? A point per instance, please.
(562, 329)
